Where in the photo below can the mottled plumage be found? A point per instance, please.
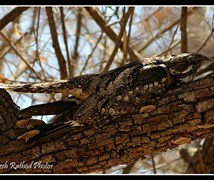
(121, 91)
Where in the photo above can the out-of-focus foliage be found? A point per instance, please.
(27, 53)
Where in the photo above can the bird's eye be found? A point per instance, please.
(180, 66)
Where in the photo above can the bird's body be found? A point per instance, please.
(121, 91)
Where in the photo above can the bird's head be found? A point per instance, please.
(189, 67)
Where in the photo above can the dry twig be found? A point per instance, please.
(109, 32)
(184, 45)
(11, 16)
(56, 46)
(118, 41)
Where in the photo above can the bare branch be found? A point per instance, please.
(129, 33)
(8, 49)
(184, 45)
(120, 35)
(16, 51)
(77, 35)
(182, 115)
(161, 32)
(172, 40)
(158, 35)
(90, 55)
(11, 16)
(102, 23)
(153, 164)
(109, 32)
(207, 39)
(56, 46)
(172, 46)
(65, 42)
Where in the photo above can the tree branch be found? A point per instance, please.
(183, 115)
(56, 46)
(161, 32)
(75, 54)
(11, 16)
(120, 35)
(109, 32)
(156, 36)
(184, 45)
(65, 41)
(17, 52)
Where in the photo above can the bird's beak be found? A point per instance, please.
(206, 68)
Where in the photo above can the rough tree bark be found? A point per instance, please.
(184, 114)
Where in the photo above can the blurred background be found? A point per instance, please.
(40, 44)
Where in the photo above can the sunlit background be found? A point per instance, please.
(27, 53)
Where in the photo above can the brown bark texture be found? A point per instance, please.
(182, 115)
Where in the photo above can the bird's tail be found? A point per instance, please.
(53, 131)
(47, 87)
(52, 108)
(75, 86)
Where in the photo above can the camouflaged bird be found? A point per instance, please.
(129, 89)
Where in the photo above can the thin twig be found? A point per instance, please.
(125, 46)
(11, 16)
(163, 31)
(66, 42)
(207, 39)
(8, 49)
(16, 51)
(109, 32)
(119, 37)
(125, 41)
(36, 32)
(77, 35)
(89, 56)
(184, 43)
(130, 28)
(205, 42)
(152, 15)
(104, 54)
(161, 166)
(153, 164)
(170, 48)
(56, 46)
(102, 23)
(158, 35)
(172, 40)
